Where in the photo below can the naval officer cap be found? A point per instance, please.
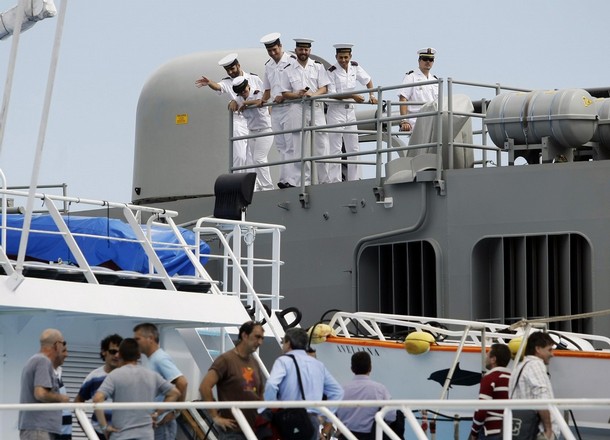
(228, 61)
(427, 52)
(239, 84)
(271, 39)
(303, 42)
(343, 48)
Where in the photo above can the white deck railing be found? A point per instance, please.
(449, 331)
(408, 407)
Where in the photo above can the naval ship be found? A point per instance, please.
(501, 221)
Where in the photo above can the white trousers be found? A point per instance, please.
(240, 148)
(258, 149)
(320, 142)
(341, 114)
(280, 121)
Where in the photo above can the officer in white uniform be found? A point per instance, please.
(249, 95)
(345, 77)
(273, 90)
(240, 127)
(303, 78)
(424, 93)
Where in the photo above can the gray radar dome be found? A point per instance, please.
(569, 117)
(182, 132)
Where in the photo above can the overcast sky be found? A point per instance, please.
(111, 47)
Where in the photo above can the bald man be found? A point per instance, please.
(40, 384)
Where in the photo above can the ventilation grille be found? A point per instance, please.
(404, 276)
(533, 277)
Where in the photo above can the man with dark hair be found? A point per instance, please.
(147, 337)
(283, 383)
(132, 383)
(345, 75)
(362, 387)
(531, 379)
(109, 352)
(425, 93)
(40, 384)
(304, 78)
(231, 65)
(494, 385)
(277, 62)
(237, 376)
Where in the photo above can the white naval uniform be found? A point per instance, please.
(259, 122)
(343, 112)
(295, 78)
(425, 93)
(240, 127)
(279, 113)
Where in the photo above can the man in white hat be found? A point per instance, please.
(423, 93)
(249, 98)
(230, 63)
(345, 75)
(305, 78)
(279, 113)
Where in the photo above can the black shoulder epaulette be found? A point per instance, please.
(253, 74)
(316, 61)
(228, 77)
(409, 72)
(353, 63)
(332, 68)
(287, 66)
(268, 61)
(293, 56)
(255, 92)
(435, 77)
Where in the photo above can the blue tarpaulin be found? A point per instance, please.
(102, 251)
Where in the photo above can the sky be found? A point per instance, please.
(110, 48)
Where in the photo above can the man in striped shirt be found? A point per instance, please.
(487, 424)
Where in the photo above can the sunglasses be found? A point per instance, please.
(113, 351)
(426, 59)
(61, 342)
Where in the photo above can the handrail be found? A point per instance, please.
(450, 329)
(327, 409)
(233, 259)
(384, 122)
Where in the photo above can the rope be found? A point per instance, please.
(524, 322)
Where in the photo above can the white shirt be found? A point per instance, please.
(533, 383)
(272, 77)
(296, 77)
(423, 93)
(342, 80)
(257, 117)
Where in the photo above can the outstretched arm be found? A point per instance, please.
(204, 81)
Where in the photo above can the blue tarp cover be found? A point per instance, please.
(97, 251)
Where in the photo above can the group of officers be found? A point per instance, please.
(290, 78)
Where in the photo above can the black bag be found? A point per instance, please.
(294, 423)
(525, 424)
(525, 421)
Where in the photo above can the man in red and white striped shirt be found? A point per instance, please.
(487, 424)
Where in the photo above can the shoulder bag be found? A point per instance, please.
(294, 423)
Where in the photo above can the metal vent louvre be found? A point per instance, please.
(533, 276)
(80, 362)
(405, 275)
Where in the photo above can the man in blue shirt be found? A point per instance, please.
(147, 336)
(283, 383)
(109, 352)
(360, 420)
